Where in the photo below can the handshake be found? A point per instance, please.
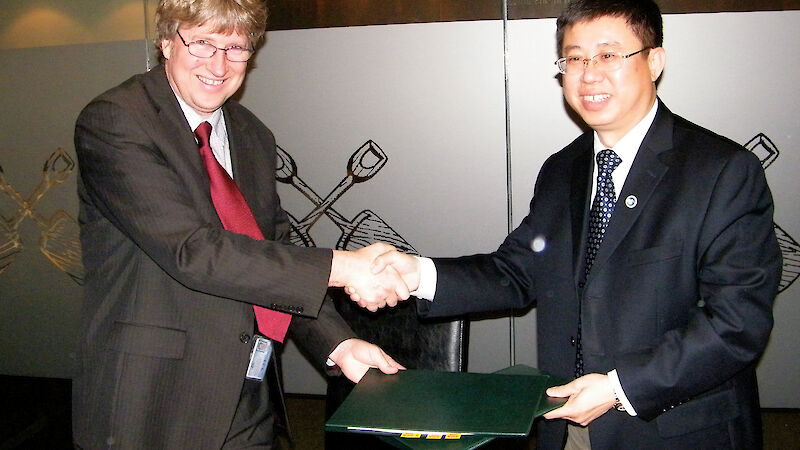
(375, 276)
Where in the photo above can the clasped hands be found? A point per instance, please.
(375, 276)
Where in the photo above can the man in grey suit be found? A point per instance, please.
(168, 320)
(653, 270)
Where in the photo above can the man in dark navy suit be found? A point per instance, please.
(649, 252)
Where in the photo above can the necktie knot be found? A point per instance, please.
(607, 161)
(203, 134)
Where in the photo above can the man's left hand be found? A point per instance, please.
(355, 357)
(590, 396)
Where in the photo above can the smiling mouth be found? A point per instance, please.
(210, 81)
(596, 98)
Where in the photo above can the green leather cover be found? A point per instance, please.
(475, 406)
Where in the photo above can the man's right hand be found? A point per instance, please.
(375, 288)
(393, 262)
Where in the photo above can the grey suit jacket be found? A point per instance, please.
(168, 319)
(679, 299)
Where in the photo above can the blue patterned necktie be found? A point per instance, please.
(599, 216)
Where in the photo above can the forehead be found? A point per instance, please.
(211, 32)
(602, 32)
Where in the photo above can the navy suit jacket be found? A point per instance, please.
(168, 318)
(678, 301)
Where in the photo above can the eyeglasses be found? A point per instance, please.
(203, 49)
(606, 61)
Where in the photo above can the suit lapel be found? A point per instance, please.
(179, 144)
(175, 125)
(642, 180)
(245, 171)
(580, 191)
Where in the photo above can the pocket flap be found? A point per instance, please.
(148, 340)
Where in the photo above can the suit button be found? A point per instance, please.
(572, 341)
(244, 337)
(581, 284)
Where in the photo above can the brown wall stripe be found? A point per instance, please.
(297, 14)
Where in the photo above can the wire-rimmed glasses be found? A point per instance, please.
(605, 61)
(204, 49)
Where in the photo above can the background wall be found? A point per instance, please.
(432, 96)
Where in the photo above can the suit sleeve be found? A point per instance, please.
(496, 281)
(738, 270)
(136, 176)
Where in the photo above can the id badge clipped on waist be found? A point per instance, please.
(259, 358)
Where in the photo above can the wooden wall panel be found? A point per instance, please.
(293, 14)
(297, 14)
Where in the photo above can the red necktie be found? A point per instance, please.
(236, 216)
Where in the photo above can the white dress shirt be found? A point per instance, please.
(219, 135)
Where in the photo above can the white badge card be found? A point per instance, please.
(259, 358)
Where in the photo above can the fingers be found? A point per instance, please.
(565, 390)
(380, 263)
(355, 357)
(377, 290)
(400, 261)
(386, 364)
(401, 291)
(590, 396)
(370, 306)
(394, 363)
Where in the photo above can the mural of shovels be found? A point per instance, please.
(59, 240)
(767, 152)
(366, 227)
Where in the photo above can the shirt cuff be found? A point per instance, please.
(620, 393)
(427, 279)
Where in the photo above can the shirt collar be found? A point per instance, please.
(195, 119)
(627, 147)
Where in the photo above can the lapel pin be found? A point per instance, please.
(631, 201)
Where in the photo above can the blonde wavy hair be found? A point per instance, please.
(248, 17)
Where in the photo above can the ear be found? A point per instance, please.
(166, 47)
(656, 59)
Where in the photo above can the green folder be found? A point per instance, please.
(445, 410)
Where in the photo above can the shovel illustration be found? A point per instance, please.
(10, 243)
(367, 227)
(767, 153)
(364, 163)
(790, 250)
(58, 241)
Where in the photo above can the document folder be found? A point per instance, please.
(430, 408)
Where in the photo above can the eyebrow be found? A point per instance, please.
(601, 44)
(207, 36)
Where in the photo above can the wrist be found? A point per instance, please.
(340, 350)
(339, 261)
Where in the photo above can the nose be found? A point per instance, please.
(218, 63)
(590, 70)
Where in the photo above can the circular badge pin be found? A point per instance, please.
(631, 201)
